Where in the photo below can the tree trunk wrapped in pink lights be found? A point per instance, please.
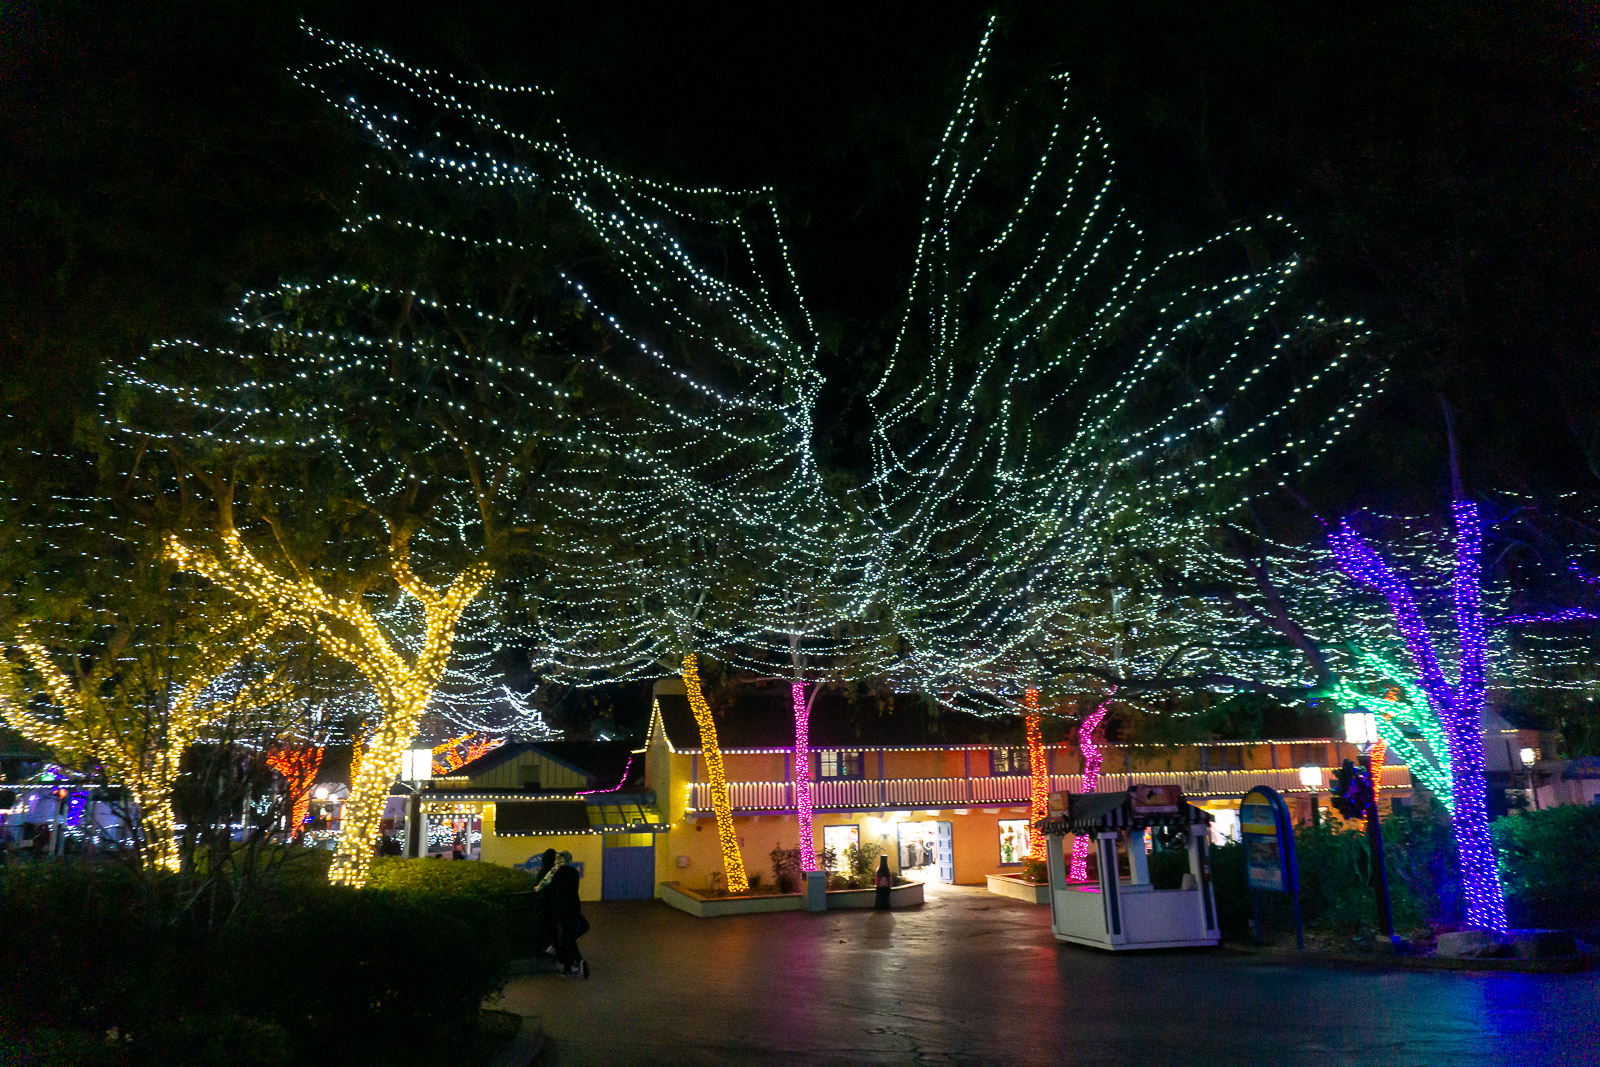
(1092, 759)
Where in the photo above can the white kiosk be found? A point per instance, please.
(1115, 914)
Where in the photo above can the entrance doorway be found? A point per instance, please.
(927, 851)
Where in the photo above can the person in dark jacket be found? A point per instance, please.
(544, 924)
(567, 912)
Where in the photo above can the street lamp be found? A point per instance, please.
(416, 767)
(1311, 777)
(1530, 756)
(1360, 728)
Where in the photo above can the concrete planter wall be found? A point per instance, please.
(710, 907)
(704, 907)
(1007, 886)
(900, 896)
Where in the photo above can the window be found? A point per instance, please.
(1222, 758)
(835, 764)
(839, 838)
(1308, 755)
(1009, 761)
(1013, 840)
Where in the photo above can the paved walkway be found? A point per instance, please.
(974, 978)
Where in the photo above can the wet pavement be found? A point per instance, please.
(974, 978)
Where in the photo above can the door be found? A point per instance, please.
(628, 873)
(944, 851)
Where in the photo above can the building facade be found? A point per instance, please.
(947, 813)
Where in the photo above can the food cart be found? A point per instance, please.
(1119, 913)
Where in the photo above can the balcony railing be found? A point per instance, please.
(863, 794)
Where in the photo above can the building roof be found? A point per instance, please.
(1088, 813)
(607, 764)
(605, 813)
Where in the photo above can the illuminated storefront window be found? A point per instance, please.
(1013, 840)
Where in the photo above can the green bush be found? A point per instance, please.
(785, 868)
(1550, 863)
(459, 880)
(106, 966)
(860, 864)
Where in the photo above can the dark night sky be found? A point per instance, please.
(1440, 158)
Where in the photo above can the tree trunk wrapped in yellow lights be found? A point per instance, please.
(347, 629)
(140, 747)
(732, 860)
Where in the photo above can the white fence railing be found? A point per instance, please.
(867, 793)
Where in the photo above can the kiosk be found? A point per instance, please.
(1118, 914)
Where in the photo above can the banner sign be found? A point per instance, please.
(1155, 799)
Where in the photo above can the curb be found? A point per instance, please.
(524, 1047)
(1547, 965)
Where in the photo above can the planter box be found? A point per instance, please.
(1007, 886)
(706, 907)
(900, 896)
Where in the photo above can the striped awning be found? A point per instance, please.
(1089, 813)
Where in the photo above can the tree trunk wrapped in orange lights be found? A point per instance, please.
(1039, 778)
(299, 765)
(403, 686)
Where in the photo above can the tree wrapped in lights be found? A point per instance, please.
(137, 740)
(1038, 777)
(1093, 759)
(118, 664)
(1452, 709)
(404, 685)
(356, 439)
(1458, 707)
(298, 765)
(1061, 406)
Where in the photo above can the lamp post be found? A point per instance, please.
(1311, 777)
(416, 767)
(1530, 756)
(1361, 728)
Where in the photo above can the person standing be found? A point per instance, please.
(567, 912)
(543, 920)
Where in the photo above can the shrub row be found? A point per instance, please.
(108, 967)
(1549, 862)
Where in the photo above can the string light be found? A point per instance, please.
(802, 777)
(732, 860)
(1458, 708)
(299, 765)
(1092, 760)
(1038, 776)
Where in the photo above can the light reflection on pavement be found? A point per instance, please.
(971, 977)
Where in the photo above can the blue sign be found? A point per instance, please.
(1268, 838)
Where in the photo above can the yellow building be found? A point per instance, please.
(583, 797)
(951, 813)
